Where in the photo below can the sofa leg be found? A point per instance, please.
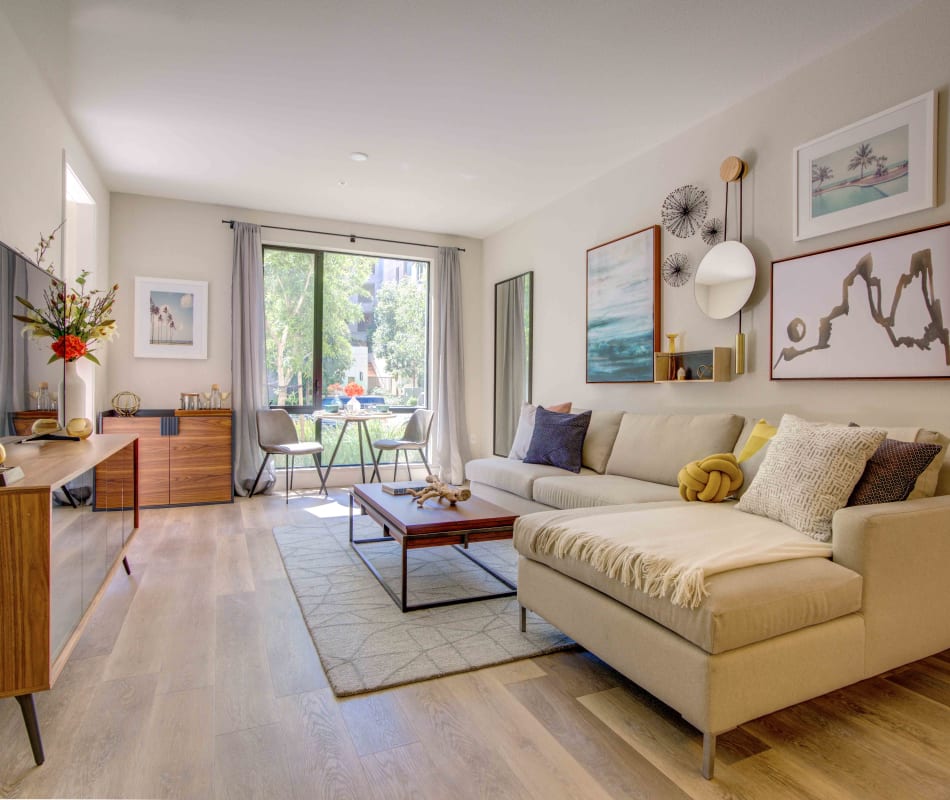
(524, 619)
(709, 755)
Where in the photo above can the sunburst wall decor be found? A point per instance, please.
(712, 231)
(684, 211)
(676, 269)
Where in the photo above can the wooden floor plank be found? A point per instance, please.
(252, 764)
(262, 552)
(243, 693)
(294, 664)
(232, 565)
(675, 748)
(404, 773)
(525, 744)
(110, 728)
(175, 751)
(376, 722)
(467, 761)
(323, 761)
(619, 768)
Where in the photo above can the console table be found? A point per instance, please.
(57, 554)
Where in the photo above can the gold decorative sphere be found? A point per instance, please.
(3, 454)
(45, 426)
(125, 404)
(80, 426)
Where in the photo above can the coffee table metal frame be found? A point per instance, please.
(459, 540)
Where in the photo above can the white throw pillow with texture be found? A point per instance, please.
(809, 472)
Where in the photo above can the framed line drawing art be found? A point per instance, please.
(623, 308)
(870, 310)
(880, 167)
(171, 318)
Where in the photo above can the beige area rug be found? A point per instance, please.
(366, 643)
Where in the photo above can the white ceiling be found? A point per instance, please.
(474, 113)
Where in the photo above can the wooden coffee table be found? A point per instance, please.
(474, 520)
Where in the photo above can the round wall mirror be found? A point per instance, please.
(724, 280)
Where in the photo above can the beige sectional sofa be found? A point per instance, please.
(767, 636)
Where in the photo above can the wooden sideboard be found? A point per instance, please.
(22, 421)
(57, 554)
(184, 456)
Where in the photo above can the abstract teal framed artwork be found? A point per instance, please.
(623, 308)
(880, 167)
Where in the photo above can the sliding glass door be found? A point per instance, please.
(338, 325)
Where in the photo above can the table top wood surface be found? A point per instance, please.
(50, 464)
(408, 518)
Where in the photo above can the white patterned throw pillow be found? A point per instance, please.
(809, 472)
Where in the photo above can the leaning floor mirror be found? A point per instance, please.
(513, 341)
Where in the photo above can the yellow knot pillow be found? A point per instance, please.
(711, 479)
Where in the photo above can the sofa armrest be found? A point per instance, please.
(902, 550)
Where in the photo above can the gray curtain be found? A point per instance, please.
(450, 434)
(248, 379)
(511, 354)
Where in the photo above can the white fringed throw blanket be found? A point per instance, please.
(665, 549)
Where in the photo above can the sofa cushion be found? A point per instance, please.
(512, 476)
(582, 491)
(744, 606)
(653, 447)
(558, 439)
(809, 472)
(600, 438)
(522, 440)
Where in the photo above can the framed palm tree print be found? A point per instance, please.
(880, 167)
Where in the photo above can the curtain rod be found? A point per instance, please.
(351, 236)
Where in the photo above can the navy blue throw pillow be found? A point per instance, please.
(558, 439)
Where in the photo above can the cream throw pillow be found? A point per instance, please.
(809, 472)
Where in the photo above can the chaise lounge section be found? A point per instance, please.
(765, 636)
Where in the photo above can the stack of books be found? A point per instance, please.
(403, 487)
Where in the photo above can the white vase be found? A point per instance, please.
(72, 394)
(353, 406)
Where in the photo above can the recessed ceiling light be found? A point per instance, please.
(358, 156)
(341, 183)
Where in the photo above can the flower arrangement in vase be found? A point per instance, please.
(75, 319)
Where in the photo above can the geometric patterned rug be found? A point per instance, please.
(366, 643)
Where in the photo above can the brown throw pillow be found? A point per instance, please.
(892, 471)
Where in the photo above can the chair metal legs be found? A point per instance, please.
(288, 477)
(323, 479)
(423, 454)
(405, 453)
(259, 473)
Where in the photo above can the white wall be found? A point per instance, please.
(35, 135)
(159, 238)
(902, 60)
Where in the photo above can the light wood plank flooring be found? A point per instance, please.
(197, 678)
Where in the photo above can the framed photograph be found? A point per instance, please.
(866, 310)
(880, 167)
(171, 318)
(623, 308)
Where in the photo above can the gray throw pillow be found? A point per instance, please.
(558, 439)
